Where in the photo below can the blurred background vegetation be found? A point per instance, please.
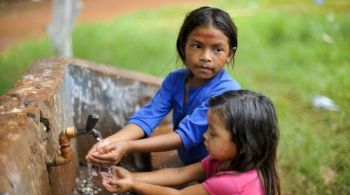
(290, 50)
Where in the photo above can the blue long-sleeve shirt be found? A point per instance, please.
(189, 120)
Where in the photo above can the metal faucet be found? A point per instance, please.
(89, 127)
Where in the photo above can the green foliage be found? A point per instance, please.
(302, 54)
(288, 50)
(17, 59)
(140, 41)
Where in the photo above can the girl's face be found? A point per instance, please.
(206, 52)
(218, 139)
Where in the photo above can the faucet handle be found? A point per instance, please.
(91, 122)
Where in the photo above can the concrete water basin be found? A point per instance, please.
(58, 93)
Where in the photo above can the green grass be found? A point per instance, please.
(141, 41)
(17, 59)
(289, 50)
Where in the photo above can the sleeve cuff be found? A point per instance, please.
(185, 141)
(142, 125)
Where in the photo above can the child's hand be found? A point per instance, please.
(121, 182)
(98, 148)
(108, 155)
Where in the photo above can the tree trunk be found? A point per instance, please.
(64, 13)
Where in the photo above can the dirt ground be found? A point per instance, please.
(24, 19)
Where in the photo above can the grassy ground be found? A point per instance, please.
(289, 51)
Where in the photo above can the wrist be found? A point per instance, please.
(105, 142)
(108, 140)
(128, 146)
(134, 186)
(133, 176)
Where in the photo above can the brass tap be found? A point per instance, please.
(66, 155)
(71, 132)
(66, 151)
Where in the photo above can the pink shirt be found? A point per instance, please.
(230, 182)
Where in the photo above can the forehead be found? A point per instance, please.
(208, 33)
(217, 124)
(214, 117)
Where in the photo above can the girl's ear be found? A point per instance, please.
(231, 54)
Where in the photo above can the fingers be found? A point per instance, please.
(101, 155)
(96, 160)
(97, 148)
(100, 163)
(117, 172)
(102, 148)
(108, 186)
(87, 157)
(106, 155)
(116, 184)
(113, 182)
(112, 185)
(121, 172)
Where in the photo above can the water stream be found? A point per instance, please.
(87, 186)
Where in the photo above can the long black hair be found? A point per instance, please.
(205, 17)
(252, 121)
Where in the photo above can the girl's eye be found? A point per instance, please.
(218, 50)
(212, 134)
(195, 46)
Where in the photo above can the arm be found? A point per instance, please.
(129, 132)
(148, 182)
(140, 124)
(114, 152)
(165, 142)
(172, 176)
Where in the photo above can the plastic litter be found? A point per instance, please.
(324, 103)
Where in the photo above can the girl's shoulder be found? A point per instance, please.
(221, 83)
(245, 183)
(241, 177)
(226, 78)
(175, 79)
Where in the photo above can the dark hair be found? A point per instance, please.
(252, 121)
(206, 16)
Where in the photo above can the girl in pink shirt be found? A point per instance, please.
(241, 140)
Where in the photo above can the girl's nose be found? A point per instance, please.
(205, 135)
(205, 56)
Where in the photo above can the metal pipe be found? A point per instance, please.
(66, 151)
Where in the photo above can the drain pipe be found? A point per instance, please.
(66, 150)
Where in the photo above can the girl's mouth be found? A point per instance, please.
(203, 69)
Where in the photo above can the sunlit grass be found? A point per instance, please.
(288, 50)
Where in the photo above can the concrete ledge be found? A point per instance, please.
(54, 94)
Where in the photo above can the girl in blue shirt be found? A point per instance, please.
(206, 42)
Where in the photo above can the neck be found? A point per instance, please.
(195, 82)
(225, 165)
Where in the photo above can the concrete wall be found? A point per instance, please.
(55, 94)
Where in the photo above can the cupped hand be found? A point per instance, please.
(98, 148)
(107, 155)
(121, 182)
